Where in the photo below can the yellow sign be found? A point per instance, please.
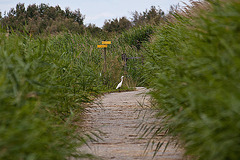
(101, 46)
(106, 42)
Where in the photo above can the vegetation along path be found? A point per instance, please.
(118, 118)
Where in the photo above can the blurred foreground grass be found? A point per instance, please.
(44, 84)
(193, 66)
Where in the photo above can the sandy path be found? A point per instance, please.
(118, 118)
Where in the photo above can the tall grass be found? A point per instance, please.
(30, 91)
(193, 67)
(44, 85)
(132, 42)
(85, 53)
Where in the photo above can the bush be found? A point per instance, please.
(44, 85)
(38, 100)
(193, 67)
(137, 35)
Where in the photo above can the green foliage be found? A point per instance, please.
(193, 66)
(42, 18)
(95, 31)
(117, 25)
(137, 35)
(44, 84)
(89, 60)
(39, 19)
(131, 42)
(149, 17)
(33, 101)
(153, 16)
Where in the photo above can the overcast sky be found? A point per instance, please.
(96, 11)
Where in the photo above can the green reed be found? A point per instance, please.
(193, 67)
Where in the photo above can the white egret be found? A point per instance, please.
(120, 84)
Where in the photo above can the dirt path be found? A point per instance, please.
(118, 118)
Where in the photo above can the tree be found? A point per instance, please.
(32, 11)
(20, 14)
(43, 19)
(78, 17)
(124, 24)
(93, 30)
(152, 16)
(117, 25)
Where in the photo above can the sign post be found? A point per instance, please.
(105, 60)
(104, 46)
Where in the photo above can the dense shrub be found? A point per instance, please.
(35, 19)
(193, 66)
(36, 105)
(136, 36)
(44, 85)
